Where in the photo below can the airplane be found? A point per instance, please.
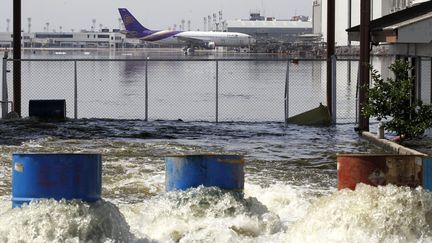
(191, 39)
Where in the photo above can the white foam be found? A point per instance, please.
(368, 214)
(202, 214)
(51, 221)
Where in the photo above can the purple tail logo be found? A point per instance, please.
(130, 23)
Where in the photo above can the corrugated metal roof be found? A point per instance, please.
(408, 22)
(397, 17)
(269, 24)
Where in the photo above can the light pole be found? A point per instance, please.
(93, 25)
(8, 23)
(29, 24)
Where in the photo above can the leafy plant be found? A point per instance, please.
(392, 99)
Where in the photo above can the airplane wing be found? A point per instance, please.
(130, 34)
(190, 40)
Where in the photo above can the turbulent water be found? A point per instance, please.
(290, 187)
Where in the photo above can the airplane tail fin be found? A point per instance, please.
(130, 23)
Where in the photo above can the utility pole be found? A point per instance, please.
(364, 62)
(205, 24)
(17, 57)
(330, 51)
(29, 24)
(120, 24)
(214, 22)
(220, 21)
(182, 24)
(7, 26)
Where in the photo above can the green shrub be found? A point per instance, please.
(392, 99)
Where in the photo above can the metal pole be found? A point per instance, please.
(349, 41)
(17, 56)
(286, 95)
(357, 95)
(75, 90)
(333, 108)
(4, 88)
(330, 50)
(217, 91)
(418, 77)
(364, 62)
(146, 89)
(349, 19)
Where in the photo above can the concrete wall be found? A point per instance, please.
(317, 17)
(425, 80)
(420, 32)
(342, 17)
(278, 33)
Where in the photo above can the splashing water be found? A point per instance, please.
(72, 221)
(289, 195)
(368, 214)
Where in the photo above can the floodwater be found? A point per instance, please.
(290, 186)
(249, 89)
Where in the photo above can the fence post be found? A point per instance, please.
(75, 91)
(286, 97)
(4, 88)
(334, 83)
(217, 91)
(146, 89)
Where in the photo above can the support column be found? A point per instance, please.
(364, 62)
(330, 50)
(16, 56)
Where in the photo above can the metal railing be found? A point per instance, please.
(243, 89)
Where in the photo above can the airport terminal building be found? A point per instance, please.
(266, 28)
(103, 39)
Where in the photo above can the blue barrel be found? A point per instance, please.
(187, 171)
(427, 173)
(57, 175)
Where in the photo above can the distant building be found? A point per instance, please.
(379, 8)
(271, 28)
(5, 39)
(407, 35)
(84, 39)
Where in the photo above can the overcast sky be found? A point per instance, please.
(154, 14)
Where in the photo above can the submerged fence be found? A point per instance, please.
(218, 90)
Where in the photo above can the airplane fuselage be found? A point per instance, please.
(190, 39)
(166, 37)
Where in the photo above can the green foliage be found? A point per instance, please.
(392, 99)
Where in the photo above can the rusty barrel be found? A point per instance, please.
(57, 176)
(209, 170)
(379, 170)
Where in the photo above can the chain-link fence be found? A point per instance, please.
(194, 89)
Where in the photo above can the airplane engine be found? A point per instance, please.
(210, 45)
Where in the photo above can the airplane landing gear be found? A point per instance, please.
(189, 50)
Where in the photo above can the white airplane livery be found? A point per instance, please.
(191, 39)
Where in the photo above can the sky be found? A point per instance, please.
(154, 14)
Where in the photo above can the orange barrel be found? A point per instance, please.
(378, 170)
